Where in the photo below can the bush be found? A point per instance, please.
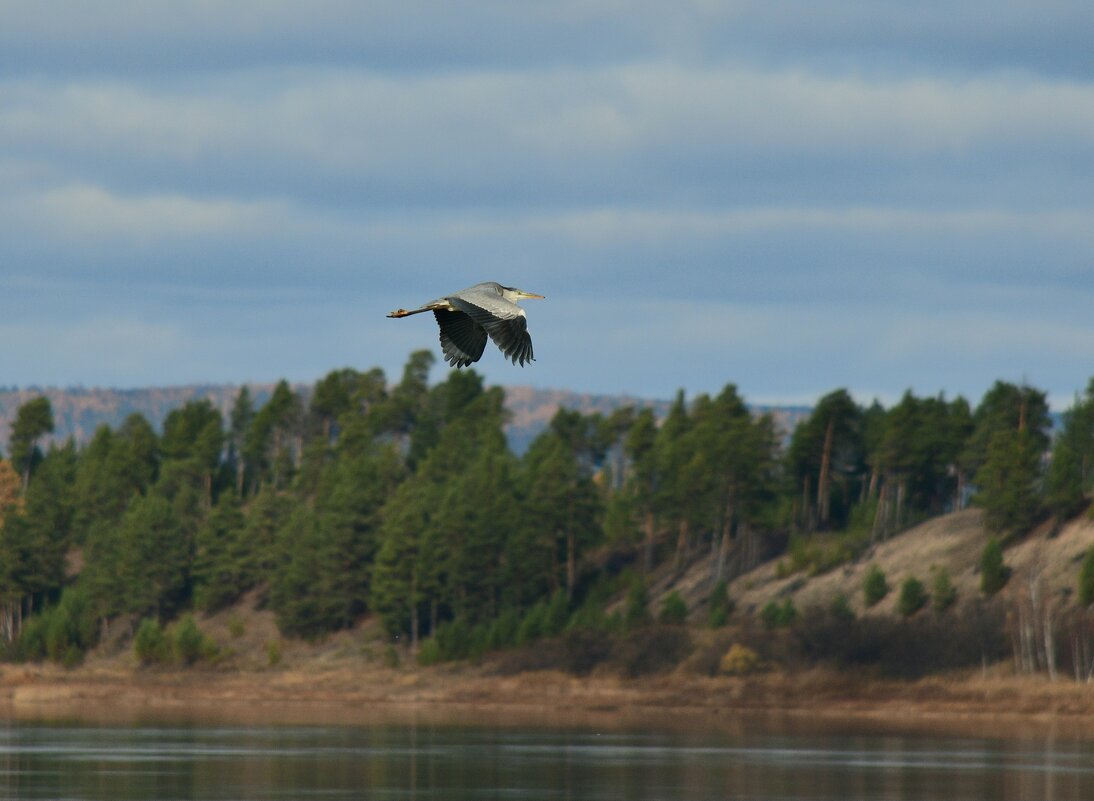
(532, 626)
(188, 644)
(62, 633)
(637, 606)
(874, 586)
(150, 644)
(781, 615)
(453, 640)
(1086, 579)
(503, 629)
(909, 648)
(653, 649)
(913, 596)
(840, 608)
(558, 612)
(32, 639)
(993, 573)
(273, 653)
(674, 612)
(721, 606)
(943, 593)
(429, 653)
(740, 660)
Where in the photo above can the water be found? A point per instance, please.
(189, 761)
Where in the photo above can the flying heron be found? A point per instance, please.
(466, 317)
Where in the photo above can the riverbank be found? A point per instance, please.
(971, 704)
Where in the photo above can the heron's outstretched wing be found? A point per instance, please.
(503, 321)
(462, 339)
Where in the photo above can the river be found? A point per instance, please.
(759, 763)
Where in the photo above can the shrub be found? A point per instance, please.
(993, 573)
(913, 596)
(637, 607)
(740, 660)
(1086, 579)
(273, 653)
(674, 612)
(943, 593)
(32, 638)
(503, 630)
(188, 644)
(874, 585)
(558, 612)
(532, 626)
(453, 639)
(58, 631)
(391, 656)
(840, 608)
(235, 627)
(776, 615)
(150, 644)
(429, 653)
(654, 649)
(585, 648)
(721, 606)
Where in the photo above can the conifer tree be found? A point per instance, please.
(33, 420)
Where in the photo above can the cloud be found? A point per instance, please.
(790, 196)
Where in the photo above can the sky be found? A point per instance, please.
(792, 197)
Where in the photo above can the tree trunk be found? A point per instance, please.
(823, 477)
(682, 542)
(414, 611)
(649, 541)
(571, 564)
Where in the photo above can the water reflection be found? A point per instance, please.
(451, 762)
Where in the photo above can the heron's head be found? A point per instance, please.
(513, 294)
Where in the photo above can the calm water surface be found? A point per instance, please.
(423, 762)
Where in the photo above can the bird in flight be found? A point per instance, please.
(468, 316)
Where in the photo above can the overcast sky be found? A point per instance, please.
(792, 197)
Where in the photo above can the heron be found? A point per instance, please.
(467, 317)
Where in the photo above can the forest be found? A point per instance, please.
(403, 502)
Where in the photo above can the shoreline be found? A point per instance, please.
(963, 705)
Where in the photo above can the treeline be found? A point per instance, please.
(404, 501)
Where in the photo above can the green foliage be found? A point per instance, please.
(993, 573)
(1086, 579)
(817, 554)
(674, 612)
(189, 644)
(840, 608)
(874, 585)
(721, 605)
(151, 645)
(740, 660)
(33, 419)
(636, 612)
(532, 626)
(913, 596)
(943, 593)
(775, 615)
(1008, 482)
(273, 653)
(407, 503)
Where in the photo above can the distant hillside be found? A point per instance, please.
(77, 411)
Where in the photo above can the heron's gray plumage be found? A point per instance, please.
(467, 317)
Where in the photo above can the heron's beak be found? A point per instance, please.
(524, 294)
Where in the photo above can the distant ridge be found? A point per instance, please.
(78, 411)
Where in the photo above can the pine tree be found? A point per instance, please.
(220, 560)
(1008, 481)
(33, 420)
